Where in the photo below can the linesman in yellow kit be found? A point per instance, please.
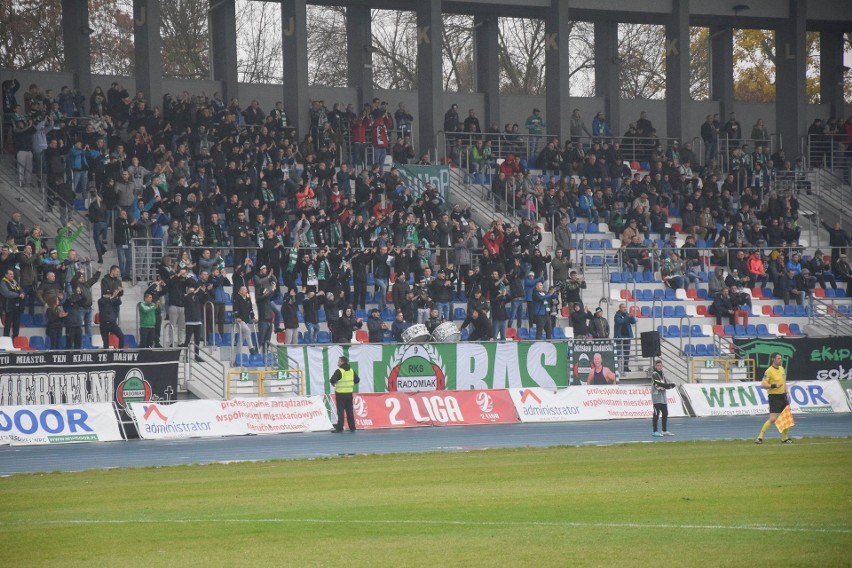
(344, 380)
(775, 383)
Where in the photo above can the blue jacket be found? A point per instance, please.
(623, 324)
(541, 303)
(529, 286)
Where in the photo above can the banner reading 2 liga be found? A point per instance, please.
(434, 366)
(444, 408)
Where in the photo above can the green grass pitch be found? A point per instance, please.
(663, 505)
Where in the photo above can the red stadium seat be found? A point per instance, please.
(512, 333)
(361, 336)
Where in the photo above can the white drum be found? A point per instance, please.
(417, 333)
(447, 332)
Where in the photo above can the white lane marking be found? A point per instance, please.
(555, 524)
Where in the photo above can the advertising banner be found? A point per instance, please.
(593, 362)
(729, 399)
(589, 402)
(846, 386)
(58, 424)
(804, 358)
(75, 377)
(440, 408)
(236, 417)
(434, 366)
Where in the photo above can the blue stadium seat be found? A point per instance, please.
(523, 333)
(790, 311)
(648, 277)
(229, 318)
(593, 244)
(582, 228)
(256, 360)
(728, 329)
(659, 294)
(830, 293)
(26, 319)
(751, 330)
(679, 312)
(695, 331)
(669, 295)
(371, 280)
(689, 350)
(228, 300)
(242, 360)
(322, 317)
(700, 243)
(657, 312)
(794, 328)
(593, 228)
(668, 311)
(39, 320)
(615, 278)
(801, 311)
(387, 314)
(703, 294)
(627, 277)
(130, 342)
(300, 316)
(777, 310)
(38, 342)
(674, 331)
(763, 331)
(645, 311)
(674, 212)
(701, 350)
(324, 337)
(739, 330)
(645, 295)
(459, 314)
(359, 313)
(558, 333)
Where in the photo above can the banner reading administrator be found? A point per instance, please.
(75, 377)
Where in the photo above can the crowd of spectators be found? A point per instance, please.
(233, 199)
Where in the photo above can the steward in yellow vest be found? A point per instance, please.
(344, 380)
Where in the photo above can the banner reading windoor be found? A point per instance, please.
(74, 377)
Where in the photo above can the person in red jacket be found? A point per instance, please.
(493, 239)
(756, 270)
(380, 128)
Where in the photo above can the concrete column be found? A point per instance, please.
(790, 64)
(223, 44)
(77, 45)
(148, 50)
(359, 39)
(487, 61)
(294, 39)
(831, 71)
(557, 72)
(607, 67)
(430, 95)
(722, 70)
(677, 71)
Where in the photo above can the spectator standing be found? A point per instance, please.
(74, 318)
(599, 327)
(147, 320)
(193, 309)
(579, 320)
(838, 238)
(539, 314)
(535, 127)
(623, 332)
(55, 321)
(243, 316)
(376, 327)
(108, 308)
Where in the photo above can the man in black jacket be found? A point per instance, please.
(193, 306)
(121, 236)
(243, 316)
(108, 309)
(481, 326)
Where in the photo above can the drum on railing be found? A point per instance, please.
(447, 332)
(417, 333)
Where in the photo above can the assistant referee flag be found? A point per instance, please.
(785, 419)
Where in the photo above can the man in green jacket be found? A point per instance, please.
(147, 320)
(65, 237)
(535, 127)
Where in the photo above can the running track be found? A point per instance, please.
(146, 453)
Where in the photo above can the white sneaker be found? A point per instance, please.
(667, 433)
